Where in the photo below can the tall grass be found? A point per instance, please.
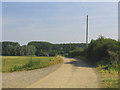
(109, 76)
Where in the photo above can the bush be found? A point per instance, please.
(102, 50)
(30, 63)
(76, 52)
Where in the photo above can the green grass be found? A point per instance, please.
(20, 63)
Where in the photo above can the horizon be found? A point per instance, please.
(58, 22)
(48, 42)
(55, 43)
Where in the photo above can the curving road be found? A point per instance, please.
(72, 74)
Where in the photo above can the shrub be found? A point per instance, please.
(102, 49)
(76, 52)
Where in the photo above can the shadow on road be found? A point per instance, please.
(79, 63)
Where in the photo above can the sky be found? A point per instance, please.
(58, 22)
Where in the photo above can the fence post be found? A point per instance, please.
(4, 64)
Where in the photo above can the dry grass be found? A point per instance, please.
(109, 78)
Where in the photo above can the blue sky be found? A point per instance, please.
(62, 22)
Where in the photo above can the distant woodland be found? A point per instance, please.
(39, 48)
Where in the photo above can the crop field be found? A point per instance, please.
(20, 63)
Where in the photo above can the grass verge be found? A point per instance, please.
(109, 76)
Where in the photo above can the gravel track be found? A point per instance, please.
(24, 78)
(72, 74)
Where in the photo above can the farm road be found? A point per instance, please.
(72, 74)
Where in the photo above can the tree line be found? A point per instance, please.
(38, 48)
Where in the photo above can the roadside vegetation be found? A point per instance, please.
(103, 53)
(23, 63)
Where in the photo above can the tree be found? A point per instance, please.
(10, 48)
(28, 50)
(42, 47)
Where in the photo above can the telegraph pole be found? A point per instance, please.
(87, 32)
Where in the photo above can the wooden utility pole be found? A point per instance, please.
(87, 32)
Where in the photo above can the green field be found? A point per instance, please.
(20, 63)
